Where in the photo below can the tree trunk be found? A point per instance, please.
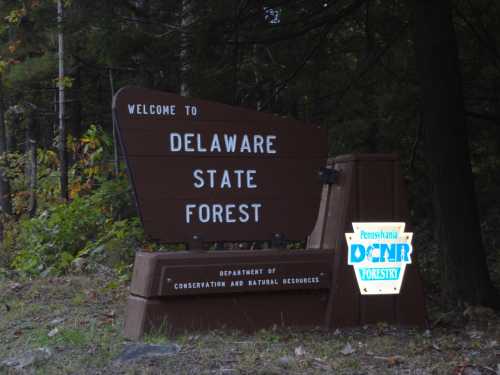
(62, 150)
(116, 160)
(76, 105)
(372, 135)
(31, 159)
(258, 94)
(5, 202)
(465, 274)
(187, 19)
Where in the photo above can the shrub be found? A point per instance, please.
(49, 242)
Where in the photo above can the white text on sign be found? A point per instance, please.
(218, 213)
(223, 143)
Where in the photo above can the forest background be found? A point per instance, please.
(418, 78)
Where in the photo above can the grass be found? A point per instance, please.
(89, 313)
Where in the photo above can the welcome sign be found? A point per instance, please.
(211, 172)
(379, 253)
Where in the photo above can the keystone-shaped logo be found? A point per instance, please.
(379, 253)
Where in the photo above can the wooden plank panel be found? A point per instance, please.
(229, 266)
(206, 110)
(244, 311)
(151, 138)
(343, 304)
(263, 221)
(243, 277)
(161, 177)
(376, 203)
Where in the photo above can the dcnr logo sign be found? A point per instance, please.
(379, 253)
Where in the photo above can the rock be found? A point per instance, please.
(348, 350)
(286, 361)
(28, 358)
(137, 352)
(53, 332)
(56, 322)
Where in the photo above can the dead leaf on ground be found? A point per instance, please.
(320, 363)
(300, 351)
(474, 334)
(436, 347)
(392, 360)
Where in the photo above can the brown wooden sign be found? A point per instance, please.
(250, 290)
(217, 172)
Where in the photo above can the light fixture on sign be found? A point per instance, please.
(379, 253)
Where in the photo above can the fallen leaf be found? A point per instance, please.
(300, 351)
(475, 334)
(320, 363)
(91, 295)
(391, 360)
(394, 360)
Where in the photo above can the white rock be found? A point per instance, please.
(300, 351)
(28, 358)
(348, 349)
(53, 332)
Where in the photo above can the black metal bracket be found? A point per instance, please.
(196, 242)
(328, 175)
(278, 241)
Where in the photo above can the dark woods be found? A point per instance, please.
(421, 78)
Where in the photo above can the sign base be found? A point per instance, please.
(245, 290)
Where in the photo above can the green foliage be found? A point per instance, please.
(31, 69)
(54, 237)
(51, 241)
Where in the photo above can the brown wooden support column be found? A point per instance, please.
(370, 188)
